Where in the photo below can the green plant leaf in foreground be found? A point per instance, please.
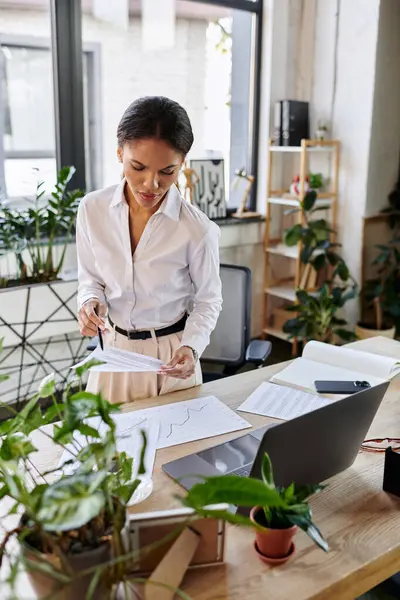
(241, 491)
(72, 502)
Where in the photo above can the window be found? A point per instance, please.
(208, 69)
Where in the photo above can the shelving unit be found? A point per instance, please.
(281, 290)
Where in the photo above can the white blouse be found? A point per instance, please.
(175, 266)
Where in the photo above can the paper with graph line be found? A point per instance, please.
(183, 422)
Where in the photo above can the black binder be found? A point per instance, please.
(294, 122)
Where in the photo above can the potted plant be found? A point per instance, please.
(71, 529)
(382, 294)
(276, 512)
(322, 131)
(32, 234)
(317, 310)
(316, 181)
(317, 317)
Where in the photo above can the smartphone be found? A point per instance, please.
(341, 387)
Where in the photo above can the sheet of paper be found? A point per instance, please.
(183, 422)
(129, 439)
(116, 360)
(281, 402)
(302, 373)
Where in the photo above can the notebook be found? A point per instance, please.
(326, 362)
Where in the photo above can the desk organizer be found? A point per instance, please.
(391, 473)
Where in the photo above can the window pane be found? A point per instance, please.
(27, 131)
(208, 69)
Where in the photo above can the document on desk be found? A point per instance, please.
(281, 402)
(115, 360)
(191, 420)
(326, 362)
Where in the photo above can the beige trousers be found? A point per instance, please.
(128, 387)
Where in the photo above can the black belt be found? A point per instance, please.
(145, 335)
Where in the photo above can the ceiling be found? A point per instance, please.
(184, 8)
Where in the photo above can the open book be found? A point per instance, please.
(324, 362)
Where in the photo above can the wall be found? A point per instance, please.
(385, 132)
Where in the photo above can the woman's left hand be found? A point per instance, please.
(181, 366)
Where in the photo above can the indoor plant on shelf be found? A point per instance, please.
(276, 512)
(317, 309)
(382, 294)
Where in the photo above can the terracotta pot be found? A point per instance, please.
(44, 586)
(364, 333)
(275, 544)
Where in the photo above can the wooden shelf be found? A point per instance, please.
(289, 200)
(285, 291)
(282, 284)
(278, 333)
(283, 250)
(299, 149)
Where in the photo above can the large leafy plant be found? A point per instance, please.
(66, 511)
(38, 228)
(318, 312)
(282, 507)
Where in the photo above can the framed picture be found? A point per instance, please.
(209, 190)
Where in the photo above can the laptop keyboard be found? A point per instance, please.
(242, 471)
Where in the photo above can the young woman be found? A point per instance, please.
(148, 259)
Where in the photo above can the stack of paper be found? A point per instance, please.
(116, 360)
(281, 402)
(325, 362)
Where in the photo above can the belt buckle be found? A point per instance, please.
(130, 335)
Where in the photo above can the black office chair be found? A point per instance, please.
(230, 343)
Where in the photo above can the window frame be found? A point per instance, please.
(92, 53)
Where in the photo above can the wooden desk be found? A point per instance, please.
(360, 522)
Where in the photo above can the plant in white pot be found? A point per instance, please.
(276, 512)
(70, 528)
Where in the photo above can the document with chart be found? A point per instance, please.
(183, 422)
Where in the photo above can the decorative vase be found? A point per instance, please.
(274, 546)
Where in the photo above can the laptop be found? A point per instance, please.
(307, 450)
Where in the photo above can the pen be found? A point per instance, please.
(100, 336)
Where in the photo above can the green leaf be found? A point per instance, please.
(346, 335)
(319, 262)
(293, 235)
(343, 271)
(71, 502)
(309, 200)
(47, 386)
(225, 515)
(80, 371)
(125, 492)
(288, 494)
(302, 492)
(142, 466)
(267, 472)
(232, 489)
(310, 529)
(52, 413)
(86, 430)
(4, 377)
(16, 446)
(63, 434)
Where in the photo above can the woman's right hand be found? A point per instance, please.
(91, 316)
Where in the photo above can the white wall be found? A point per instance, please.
(385, 133)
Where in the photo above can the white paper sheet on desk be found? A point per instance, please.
(116, 360)
(182, 422)
(281, 402)
(129, 439)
